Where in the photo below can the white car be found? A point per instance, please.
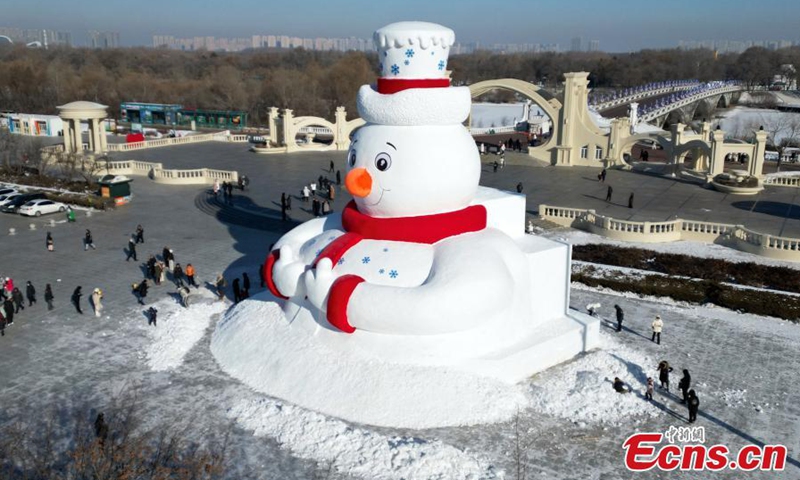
(35, 208)
(8, 197)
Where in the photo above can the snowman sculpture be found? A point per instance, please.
(423, 268)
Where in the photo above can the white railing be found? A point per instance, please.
(652, 115)
(197, 176)
(639, 96)
(782, 181)
(316, 130)
(491, 130)
(165, 142)
(735, 236)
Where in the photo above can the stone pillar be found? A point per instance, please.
(717, 153)
(757, 162)
(92, 139)
(67, 130)
(342, 140)
(77, 135)
(273, 126)
(288, 131)
(96, 128)
(705, 131)
(103, 139)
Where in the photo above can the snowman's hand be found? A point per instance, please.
(287, 271)
(318, 283)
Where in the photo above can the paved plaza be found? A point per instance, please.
(61, 358)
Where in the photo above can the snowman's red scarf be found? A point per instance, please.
(358, 226)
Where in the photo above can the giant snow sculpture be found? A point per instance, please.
(424, 297)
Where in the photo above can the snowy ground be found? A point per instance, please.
(740, 122)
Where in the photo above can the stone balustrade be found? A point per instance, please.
(156, 171)
(782, 181)
(734, 236)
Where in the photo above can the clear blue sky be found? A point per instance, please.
(620, 25)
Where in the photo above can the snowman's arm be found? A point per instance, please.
(295, 239)
(463, 289)
(297, 236)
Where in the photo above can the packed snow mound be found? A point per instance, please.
(179, 329)
(581, 391)
(254, 343)
(356, 451)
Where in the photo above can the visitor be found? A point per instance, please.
(70, 215)
(184, 293)
(592, 308)
(630, 201)
(657, 326)
(158, 269)
(132, 249)
(139, 234)
(494, 166)
(237, 292)
(19, 302)
(331, 193)
(306, 193)
(2, 325)
(245, 285)
(190, 276)
(529, 227)
(693, 404)
(215, 188)
(313, 187)
(685, 384)
(650, 388)
(76, 299)
(220, 285)
(30, 293)
(152, 316)
(48, 296)
(663, 374)
(619, 386)
(620, 317)
(326, 207)
(97, 302)
(177, 275)
(608, 193)
(140, 290)
(338, 177)
(88, 241)
(331, 167)
(519, 187)
(49, 242)
(8, 308)
(315, 207)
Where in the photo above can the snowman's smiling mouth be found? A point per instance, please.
(383, 190)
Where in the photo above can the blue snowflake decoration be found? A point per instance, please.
(433, 53)
(341, 261)
(396, 69)
(393, 273)
(407, 62)
(409, 53)
(385, 53)
(381, 271)
(365, 260)
(385, 249)
(441, 64)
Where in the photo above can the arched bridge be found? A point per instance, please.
(683, 105)
(603, 103)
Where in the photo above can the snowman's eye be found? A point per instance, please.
(383, 161)
(351, 158)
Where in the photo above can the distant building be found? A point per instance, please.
(45, 37)
(103, 39)
(34, 124)
(594, 46)
(177, 115)
(577, 44)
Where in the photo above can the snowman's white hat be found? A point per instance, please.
(414, 87)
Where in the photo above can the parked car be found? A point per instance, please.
(6, 190)
(13, 205)
(8, 198)
(36, 208)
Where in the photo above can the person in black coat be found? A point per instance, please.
(620, 317)
(88, 241)
(338, 177)
(131, 250)
(177, 275)
(8, 308)
(152, 316)
(48, 296)
(663, 374)
(237, 293)
(76, 299)
(685, 384)
(245, 285)
(30, 292)
(519, 187)
(694, 405)
(142, 291)
(608, 193)
(19, 302)
(2, 325)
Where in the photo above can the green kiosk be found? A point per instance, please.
(117, 187)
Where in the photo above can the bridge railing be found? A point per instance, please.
(639, 96)
(491, 130)
(653, 114)
(735, 236)
(782, 181)
(316, 130)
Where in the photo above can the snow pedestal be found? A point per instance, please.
(415, 381)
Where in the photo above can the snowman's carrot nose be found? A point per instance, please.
(358, 182)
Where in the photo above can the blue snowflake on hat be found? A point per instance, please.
(395, 69)
(410, 53)
(441, 64)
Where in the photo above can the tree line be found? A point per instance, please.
(315, 83)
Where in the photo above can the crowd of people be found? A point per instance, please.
(688, 395)
(321, 193)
